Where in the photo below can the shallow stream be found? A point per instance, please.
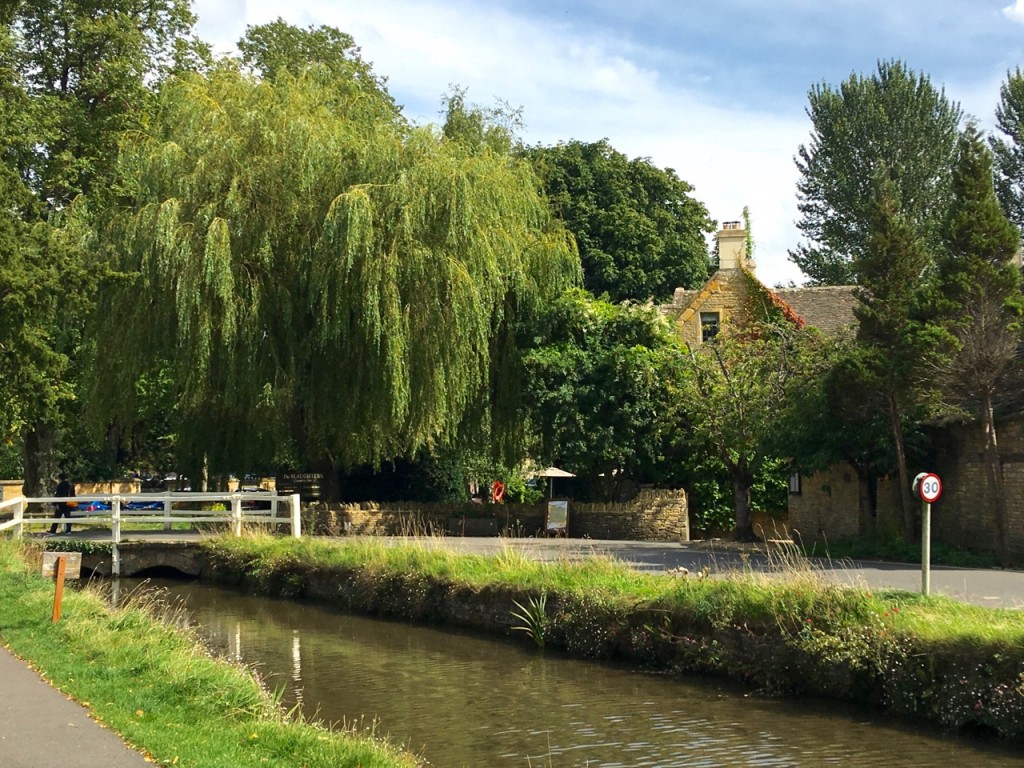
(465, 700)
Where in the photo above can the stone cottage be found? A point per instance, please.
(824, 506)
(734, 296)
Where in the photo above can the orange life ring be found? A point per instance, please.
(498, 491)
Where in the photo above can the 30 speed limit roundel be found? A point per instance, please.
(930, 488)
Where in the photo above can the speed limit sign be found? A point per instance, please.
(930, 487)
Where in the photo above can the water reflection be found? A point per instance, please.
(464, 700)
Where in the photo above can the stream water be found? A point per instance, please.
(464, 700)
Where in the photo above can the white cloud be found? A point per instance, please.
(1015, 12)
(576, 83)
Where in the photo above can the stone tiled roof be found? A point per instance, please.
(828, 308)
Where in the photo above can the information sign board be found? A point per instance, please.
(72, 564)
(307, 484)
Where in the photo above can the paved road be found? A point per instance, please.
(42, 727)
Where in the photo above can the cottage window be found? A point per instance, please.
(794, 483)
(709, 323)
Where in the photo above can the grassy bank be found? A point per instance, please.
(155, 685)
(931, 658)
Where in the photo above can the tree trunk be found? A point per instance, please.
(909, 508)
(331, 488)
(744, 530)
(38, 458)
(866, 516)
(994, 478)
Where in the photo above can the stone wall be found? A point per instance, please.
(109, 487)
(654, 515)
(827, 506)
(10, 489)
(960, 516)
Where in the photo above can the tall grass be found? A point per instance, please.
(789, 595)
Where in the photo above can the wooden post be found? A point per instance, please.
(58, 594)
(19, 515)
(166, 501)
(236, 514)
(296, 516)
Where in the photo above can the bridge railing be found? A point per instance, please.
(146, 510)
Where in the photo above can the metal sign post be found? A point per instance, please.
(929, 487)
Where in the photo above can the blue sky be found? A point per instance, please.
(715, 89)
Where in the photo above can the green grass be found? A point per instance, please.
(157, 687)
(429, 557)
(783, 600)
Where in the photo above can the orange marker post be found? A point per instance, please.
(58, 595)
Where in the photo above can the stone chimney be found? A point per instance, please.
(732, 247)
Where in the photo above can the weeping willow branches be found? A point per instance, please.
(289, 253)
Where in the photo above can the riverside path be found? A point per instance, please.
(43, 727)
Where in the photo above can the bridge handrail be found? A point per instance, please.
(118, 512)
(18, 502)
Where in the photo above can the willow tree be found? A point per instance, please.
(322, 283)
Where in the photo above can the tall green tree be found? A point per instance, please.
(343, 283)
(599, 393)
(81, 75)
(733, 392)
(88, 68)
(981, 292)
(324, 52)
(839, 415)
(894, 123)
(901, 346)
(1008, 150)
(640, 233)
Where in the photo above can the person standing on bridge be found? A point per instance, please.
(65, 489)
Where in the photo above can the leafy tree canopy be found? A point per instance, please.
(1008, 149)
(599, 392)
(981, 293)
(734, 391)
(640, 234)
(901, 342)
(86, 66)
(75, 75)
(893, 124)
(325, 52)
(340, 282)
